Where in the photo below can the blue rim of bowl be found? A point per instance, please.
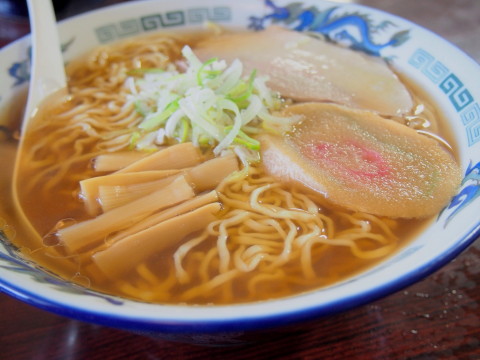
(238, 322)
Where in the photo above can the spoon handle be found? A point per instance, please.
(47, 72)
(47, 76)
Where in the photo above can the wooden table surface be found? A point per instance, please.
(437, 318)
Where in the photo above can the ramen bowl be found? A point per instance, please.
(448, 76)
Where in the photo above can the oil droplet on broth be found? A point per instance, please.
(51, 238)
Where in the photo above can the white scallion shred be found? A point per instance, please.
(209, 104)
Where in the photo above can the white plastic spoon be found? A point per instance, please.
(47, 76)
(47, 69)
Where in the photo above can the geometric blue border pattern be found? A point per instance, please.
(111, 32)
(460, 97)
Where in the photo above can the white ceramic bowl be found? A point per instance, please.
(449, 76)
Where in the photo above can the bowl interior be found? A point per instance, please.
(449, 76)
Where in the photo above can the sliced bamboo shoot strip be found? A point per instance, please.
(205, 176)
(169, 213)
(209, 174)
(88, 232)
(89, 187)
(127, 253)
(178, 156)
(111, 197)
(116, 161)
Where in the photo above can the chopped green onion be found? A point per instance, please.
(243, 139)
(141, 108)
(246, 140)
(133, 140)
(210, 104)
(155, 121)
(185, 130)
(248, 92)
(202, 70)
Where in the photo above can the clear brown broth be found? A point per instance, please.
(331, 265)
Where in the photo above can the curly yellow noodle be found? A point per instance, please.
(183, 276)
(265, 227)
(208, 263)
(201, 290)
(270, 239)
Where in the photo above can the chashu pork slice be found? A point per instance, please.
(363, 162)
(305, 68)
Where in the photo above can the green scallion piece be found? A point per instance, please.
(134, 140)
(202, 70)
(156, 121)
(248, 92)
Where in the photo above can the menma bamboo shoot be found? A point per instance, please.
(87, 233)
(178, 156)
(133, 250)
